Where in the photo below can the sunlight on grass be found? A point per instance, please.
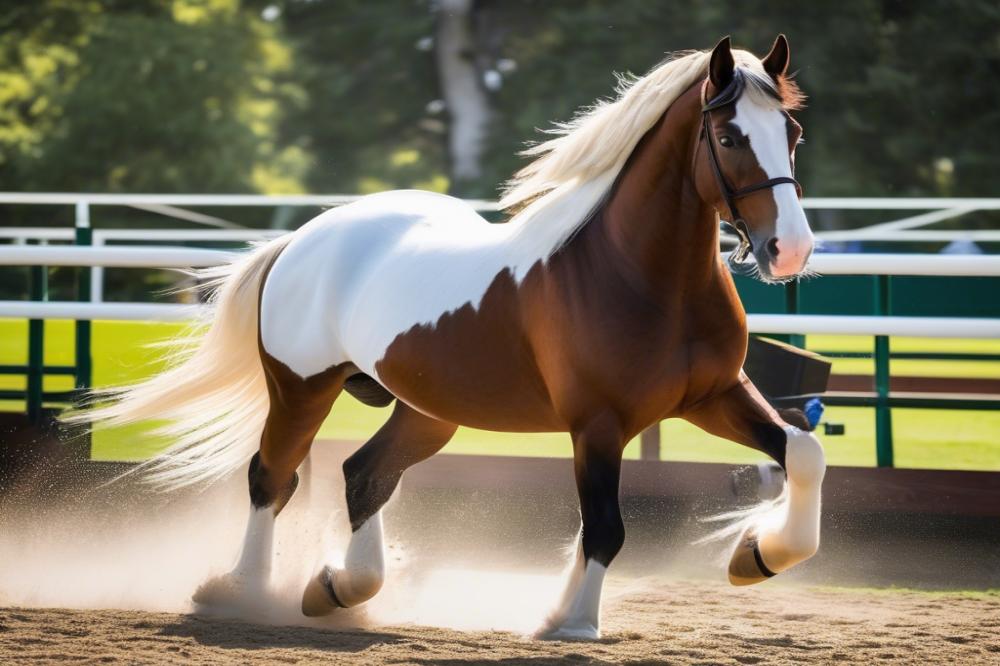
(923, 438)
(907, 367)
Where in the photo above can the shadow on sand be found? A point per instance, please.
(240, 635)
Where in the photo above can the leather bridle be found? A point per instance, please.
(729, 95)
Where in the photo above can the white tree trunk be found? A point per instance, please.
(467, 102)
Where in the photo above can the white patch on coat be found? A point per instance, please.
(767, 130)
(363, 572)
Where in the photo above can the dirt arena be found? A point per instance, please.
(105, 574)
(648, 621)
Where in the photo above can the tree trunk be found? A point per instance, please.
(466, 100)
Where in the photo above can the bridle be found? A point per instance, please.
(729, 95)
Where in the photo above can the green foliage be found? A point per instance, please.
(901, 99)
(369, 84)
(334, 95)
(155, 96)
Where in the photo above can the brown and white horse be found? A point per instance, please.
(601, 307)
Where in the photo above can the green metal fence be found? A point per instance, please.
(875, 295)
(35, 396)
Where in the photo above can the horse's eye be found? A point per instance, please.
(726, 141)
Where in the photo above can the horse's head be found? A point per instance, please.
(746, 155)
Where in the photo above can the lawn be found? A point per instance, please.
(923, 438)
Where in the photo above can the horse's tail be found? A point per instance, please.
(213, 396)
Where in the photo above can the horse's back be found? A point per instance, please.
(356, 276)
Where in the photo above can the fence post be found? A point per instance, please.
(792, 307)
(39, 287)
(883, 413)
(649, 443)
(84, 364)
(84, 236)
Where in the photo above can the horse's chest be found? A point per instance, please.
(715, 363)
(659, 379)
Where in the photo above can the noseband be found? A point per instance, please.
(738, 225)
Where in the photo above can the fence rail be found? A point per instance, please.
(321, 200)
(72, 198)
(118, 257)
(101, 236)
(183, 257)
(924, 327)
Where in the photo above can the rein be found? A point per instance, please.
(738, 225)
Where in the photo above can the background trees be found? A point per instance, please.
(350, 95)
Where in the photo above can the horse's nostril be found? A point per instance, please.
(772, 247)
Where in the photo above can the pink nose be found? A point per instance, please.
(788, 258)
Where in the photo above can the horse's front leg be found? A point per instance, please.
(597, 455)
(785, 532)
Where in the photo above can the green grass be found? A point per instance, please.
(910, 367)
(923, 438)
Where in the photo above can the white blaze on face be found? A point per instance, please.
(767, 130)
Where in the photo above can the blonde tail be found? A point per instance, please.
(213, 396)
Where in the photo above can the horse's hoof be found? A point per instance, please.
(583, 631)
(319, 598)
(747, 566)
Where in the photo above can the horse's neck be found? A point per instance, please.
(655, 218)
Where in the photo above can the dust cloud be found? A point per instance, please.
(125, 546)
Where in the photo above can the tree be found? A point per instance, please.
(160, 96)
(368, 71)
(360, 96)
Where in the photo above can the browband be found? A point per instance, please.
(727, 96)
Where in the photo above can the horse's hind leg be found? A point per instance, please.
(371, 475)
(788, 532)
(297, 409)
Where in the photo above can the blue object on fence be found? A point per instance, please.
(814, 411)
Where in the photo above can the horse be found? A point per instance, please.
(600, 307)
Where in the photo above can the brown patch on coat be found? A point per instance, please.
(473, 366)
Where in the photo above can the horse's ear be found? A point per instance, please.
(776, 62)
(721, 64)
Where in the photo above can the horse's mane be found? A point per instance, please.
(572, 173)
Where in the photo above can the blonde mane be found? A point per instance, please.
(573, 172)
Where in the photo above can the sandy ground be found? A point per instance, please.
(470, 575)
(647, 621)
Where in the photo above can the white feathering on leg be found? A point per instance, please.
(797, 537)
(364, 564)
(787, 527)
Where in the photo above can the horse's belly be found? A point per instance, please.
(479, 395)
